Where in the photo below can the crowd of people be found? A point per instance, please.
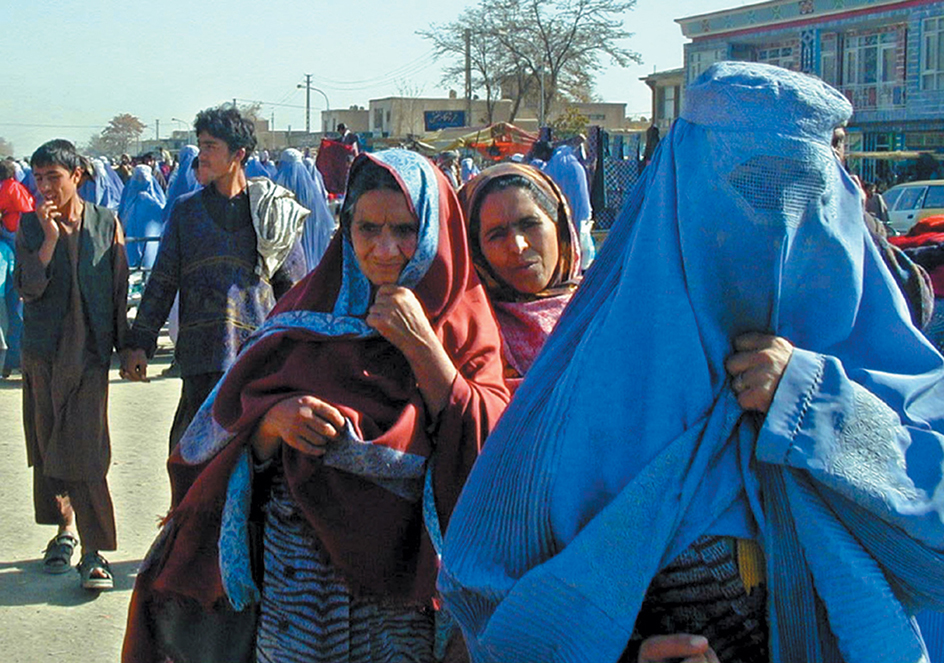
(429, 432)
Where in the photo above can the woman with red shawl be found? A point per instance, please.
(381, 363)
(526, 251)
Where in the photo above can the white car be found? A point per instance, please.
(909, 203)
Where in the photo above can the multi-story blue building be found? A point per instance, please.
(886, 56)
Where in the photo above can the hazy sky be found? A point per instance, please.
(72, 65)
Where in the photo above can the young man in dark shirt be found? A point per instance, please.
(72, 272)
(230, 250)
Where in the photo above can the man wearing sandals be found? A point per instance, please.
(72, 272)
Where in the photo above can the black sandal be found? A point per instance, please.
(57, 558)
(89, 564)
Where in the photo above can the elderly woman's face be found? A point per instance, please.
(384, 234)
(518, 239)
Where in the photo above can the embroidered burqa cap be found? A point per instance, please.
(625, 442)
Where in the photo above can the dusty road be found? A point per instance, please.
(49, 617)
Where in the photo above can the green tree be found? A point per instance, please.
(122, 132)
(569, 123)
(550, 50)
(6, 147)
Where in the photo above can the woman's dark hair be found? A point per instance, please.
(226, 124)
(366, 175)
(540, 198)
(7, 170)
(57, 152)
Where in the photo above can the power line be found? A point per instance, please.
(411, 68)
(268, 103)
(52, 126)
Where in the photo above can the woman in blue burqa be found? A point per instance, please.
(295, 176)
(184, 178)
(142, 215)
(102, 189)
(735, 430)
(565, 168)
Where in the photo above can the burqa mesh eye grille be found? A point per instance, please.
(778, 185)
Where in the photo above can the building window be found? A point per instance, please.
(828, 59)
(379, 119)
(871, 75)
(667, 103)
(780, 55)
(932, 56)
(870, 59)
(699, 61)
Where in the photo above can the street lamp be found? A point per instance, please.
(186, 126)
(308, 87)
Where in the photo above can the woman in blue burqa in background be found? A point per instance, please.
(102, 189)
(142, 215)
(295, 176)
(184, 178)
(565, 168)
(735, 431)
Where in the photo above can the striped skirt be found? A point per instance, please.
(309, 614)
(701, 593)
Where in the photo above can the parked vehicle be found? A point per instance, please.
(913, 201)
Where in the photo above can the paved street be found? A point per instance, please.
(50, 618)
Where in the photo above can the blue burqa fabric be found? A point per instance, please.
(468, 169)
(102, 189)
(29, 181)
(113, 177)
(142, 216)
(254, 168)
(295, 176)
(625, 442)
(183, 180)
(565, 169)
(267, 165)
(312, 168)
(142, 179)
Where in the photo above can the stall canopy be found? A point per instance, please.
(496, 141)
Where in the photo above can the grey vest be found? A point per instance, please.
(43, 318)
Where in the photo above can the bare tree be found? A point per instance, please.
(488, 61)
(550, 47)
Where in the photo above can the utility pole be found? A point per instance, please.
(234, 102)
(468, 77)
(157, 129)
(307, 103)
(308, 88)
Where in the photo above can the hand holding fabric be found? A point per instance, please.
(305, 423)
(678, 646)
(756, 368)
(399, 317)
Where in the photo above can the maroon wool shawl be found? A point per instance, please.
(374, 538)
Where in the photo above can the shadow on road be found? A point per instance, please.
(24, 583)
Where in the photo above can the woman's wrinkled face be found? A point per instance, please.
(384, 234)
(518, 239)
